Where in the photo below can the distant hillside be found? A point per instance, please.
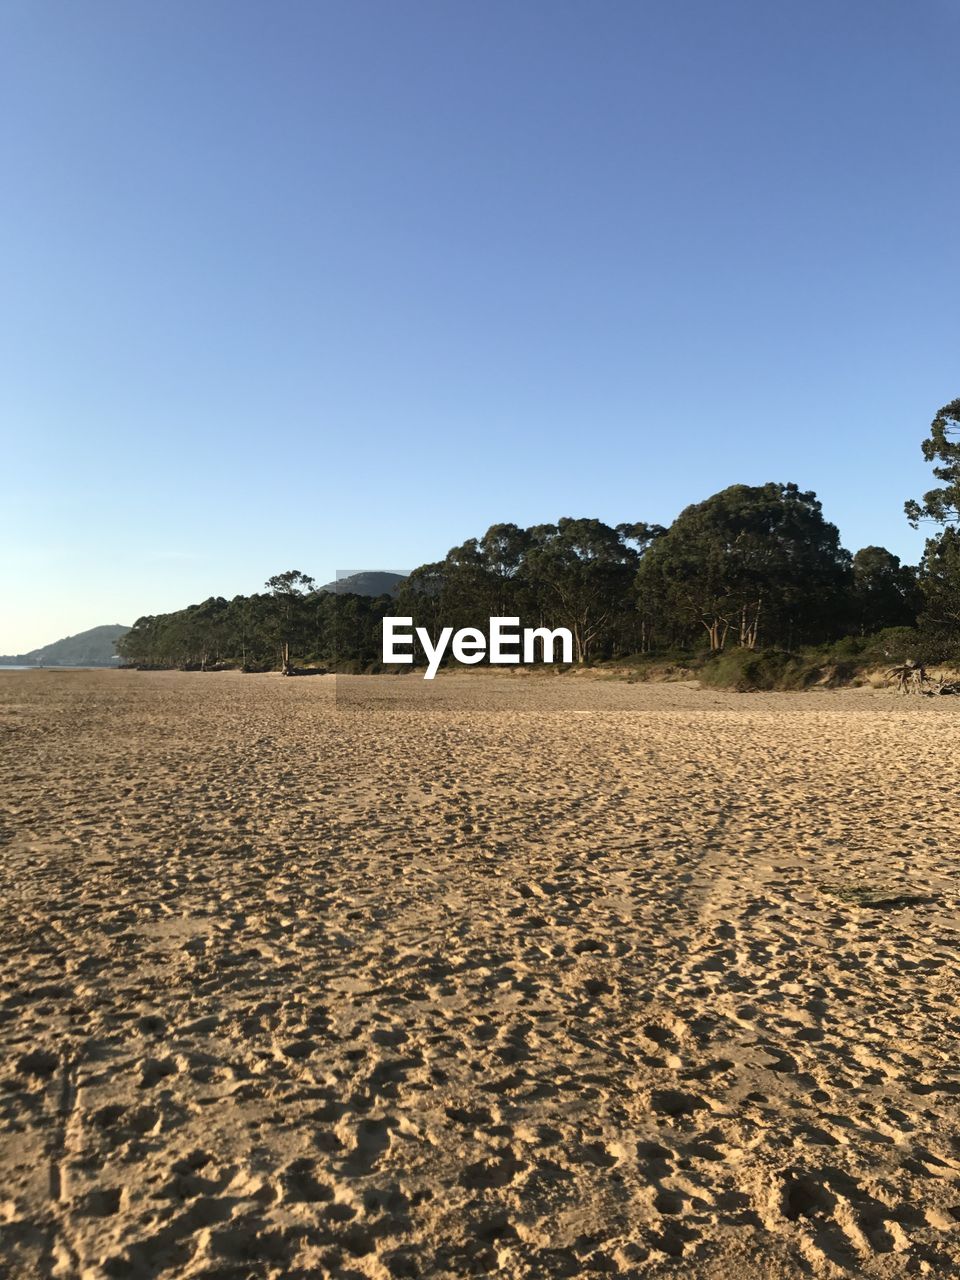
(93, 648)
(366, 584)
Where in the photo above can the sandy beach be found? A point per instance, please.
(528, 977)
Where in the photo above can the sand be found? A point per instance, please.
(501, 976)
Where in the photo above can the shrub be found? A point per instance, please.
(746, 670)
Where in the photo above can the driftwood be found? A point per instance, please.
(942, 688)
(911, 677)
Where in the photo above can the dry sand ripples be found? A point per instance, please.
(478, 978)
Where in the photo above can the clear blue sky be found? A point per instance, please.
(331, 286)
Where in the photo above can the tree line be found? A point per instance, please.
(751, 566)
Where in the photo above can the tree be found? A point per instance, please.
(582, 570)
(483, 578)
(639, 630)
(942, 447)
(422, 596)
(503, 549)
(940, 566)
(288, 590)
(940, 585)
(885, 593)
(752, 561)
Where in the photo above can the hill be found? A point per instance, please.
(93, 648)
(366, 584)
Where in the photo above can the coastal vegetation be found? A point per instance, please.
(751, 585)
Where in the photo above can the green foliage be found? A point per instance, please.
(846, 660)
(751, 563)
(892, 645)
(941, 447)
(262, 632)
(940, 590)
(577, 573)
(581, 573)
(747, 670)
(754, 574)
(885, 593)
(939, 574)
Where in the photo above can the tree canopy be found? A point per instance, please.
(942, 448)
(752, 562)
(751, 566)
